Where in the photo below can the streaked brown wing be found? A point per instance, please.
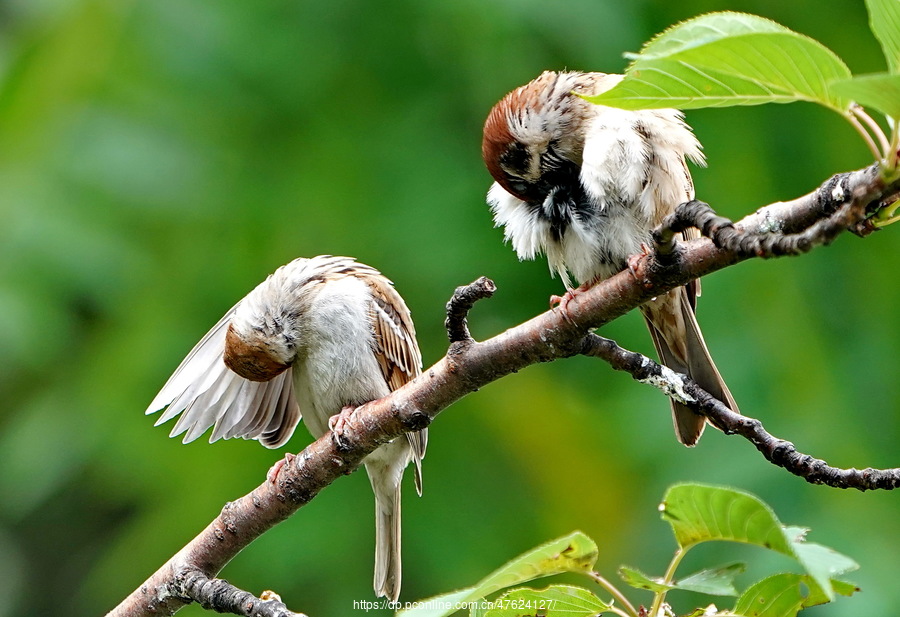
(397, 350)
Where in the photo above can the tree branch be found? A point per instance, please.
(840, 203)
(221, 596)
(778, 451)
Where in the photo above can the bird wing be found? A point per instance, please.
(207, 393)
(396, 350)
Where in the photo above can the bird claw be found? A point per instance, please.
(634, 262)
(559, 301)
(275, 469)
(562, 302)
(338, 423)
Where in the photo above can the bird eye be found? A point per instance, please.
(519, 186)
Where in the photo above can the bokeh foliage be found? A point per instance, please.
(159, 157)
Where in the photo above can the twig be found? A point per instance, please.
(617, 595)
(778, 451)
(221, 596)
(725, 235)
(458, 307)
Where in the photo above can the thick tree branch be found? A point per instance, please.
(470, 365)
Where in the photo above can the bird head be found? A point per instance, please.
(254, 355)
(265, 334)
(534, 137)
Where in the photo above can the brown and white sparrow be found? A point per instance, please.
(318, 336)
(585, 184)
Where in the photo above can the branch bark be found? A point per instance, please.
(814, 219)
(775, 450)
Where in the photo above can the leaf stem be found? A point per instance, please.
(660, 596)
(616, 594)
(865, 135)
(886, 216)
(895, 144)
(860, 113)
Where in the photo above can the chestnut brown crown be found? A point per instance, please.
(538, 128)
(250, 360)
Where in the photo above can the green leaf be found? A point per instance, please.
(639, 580)
(784, 595)
(554, 601)
(701, 513)
(573, 553)
(780, 595)
(843, 587)
(478, 608)
(665, 83)
(704, 30)
(795, 533)
(439, 606)
(725, 59)
(713, 581)
(884, 19)
(879, 91)
(822, 563)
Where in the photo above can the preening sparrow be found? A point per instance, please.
(585, 184)
(317, 336)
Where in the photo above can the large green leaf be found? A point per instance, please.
(879, 91)
(554, 601)
(572, 553)
(704, 30)
(701, 513)
(884, 19)
(668, 83)
(728, 58)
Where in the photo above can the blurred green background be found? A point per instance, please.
(159, 157)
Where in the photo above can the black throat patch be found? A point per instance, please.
(564, 199)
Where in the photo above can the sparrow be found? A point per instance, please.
(319, 336)
(585, 184)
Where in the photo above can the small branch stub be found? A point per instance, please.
(459, 305)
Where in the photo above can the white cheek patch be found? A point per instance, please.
(522, 227)
(526, 230)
